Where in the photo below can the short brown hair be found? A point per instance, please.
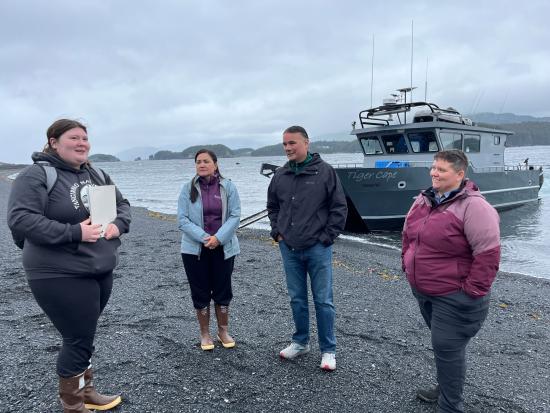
(457, 159)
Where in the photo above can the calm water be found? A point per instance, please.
(156, 186)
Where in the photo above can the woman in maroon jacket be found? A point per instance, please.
(451, 254)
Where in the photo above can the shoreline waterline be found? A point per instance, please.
(155, 185)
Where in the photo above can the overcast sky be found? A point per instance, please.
(160, 73)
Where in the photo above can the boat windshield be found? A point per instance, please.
(472, 143)
(423, 141)
(399, 143)
(395, 143)
(371, 145)
(451, 140)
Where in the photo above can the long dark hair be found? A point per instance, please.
(193, 193)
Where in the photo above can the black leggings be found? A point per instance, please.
(209, 277)
(74, 306)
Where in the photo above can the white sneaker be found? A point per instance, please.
(294, 350)
(328, 361)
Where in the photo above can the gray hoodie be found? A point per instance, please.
(50, 224)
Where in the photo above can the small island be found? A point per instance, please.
(223, 151)
(100, 157)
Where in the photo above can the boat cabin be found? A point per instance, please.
(413, 144)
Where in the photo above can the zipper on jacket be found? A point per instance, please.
(418, 241)
(202, 216)
(202, 211)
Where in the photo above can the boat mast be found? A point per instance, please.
(372, 72)
(426, 83)
(412, 55)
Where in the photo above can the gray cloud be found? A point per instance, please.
(181, 72)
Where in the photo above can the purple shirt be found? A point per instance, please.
(211, 204)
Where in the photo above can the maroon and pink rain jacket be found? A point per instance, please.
(452, 246)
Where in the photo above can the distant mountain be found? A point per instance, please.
(10, 166)
(527, 133)
(221, 151)
(271, 150)
(504, 118)
(243, 151)
(349, 146)
(142, 152)
(99, 157)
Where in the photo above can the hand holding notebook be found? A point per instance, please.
(102, 205)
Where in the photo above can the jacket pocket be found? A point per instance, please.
(98, 257)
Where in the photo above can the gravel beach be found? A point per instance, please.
(147, 340)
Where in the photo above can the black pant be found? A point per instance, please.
(453, 320)
(209, 277)
(74, 306)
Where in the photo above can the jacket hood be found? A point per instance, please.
(469, 188)
(54, 160)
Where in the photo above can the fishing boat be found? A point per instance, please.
(398, 155)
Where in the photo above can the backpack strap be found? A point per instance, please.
(99, 173)
(51, 174)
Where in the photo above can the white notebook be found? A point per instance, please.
(102, 205)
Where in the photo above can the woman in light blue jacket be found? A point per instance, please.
(209, 211)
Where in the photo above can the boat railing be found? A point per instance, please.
(428, 164)
(420, 164)
(351, 165)
(390, 164)
(503, 168)
(371, 116)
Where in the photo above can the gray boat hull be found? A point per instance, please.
(379, 198)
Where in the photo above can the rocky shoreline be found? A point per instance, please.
(147, 340)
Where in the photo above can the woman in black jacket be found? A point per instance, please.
(68, 261)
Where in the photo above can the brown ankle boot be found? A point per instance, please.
(222, 315)
(71, 393)
(94, 400)
(203, 315)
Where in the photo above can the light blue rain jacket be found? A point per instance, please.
(191, 222)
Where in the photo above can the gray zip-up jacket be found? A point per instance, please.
(50, 223)
(306, 207)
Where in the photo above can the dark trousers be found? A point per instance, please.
(74, 306)
(453, 320)
(209, 277)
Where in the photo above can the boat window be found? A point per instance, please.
(423, 142)
(395, 143)
(371, 146)
(471, 143)
(497, 140)
(450, 140)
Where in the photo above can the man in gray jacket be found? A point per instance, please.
(307, 211)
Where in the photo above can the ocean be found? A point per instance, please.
(156, 185)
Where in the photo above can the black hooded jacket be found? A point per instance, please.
(308, 206)
(50, 223)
